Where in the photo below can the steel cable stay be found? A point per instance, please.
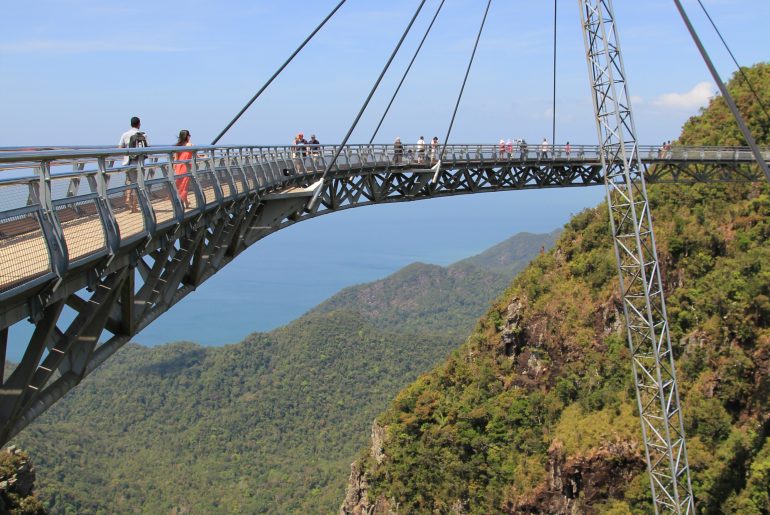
(406, 72)
(553, 108)
(278, 72)
(462, 89)
(740, 68)
(341, 146)
(725, 93)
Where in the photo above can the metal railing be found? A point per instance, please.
(63, 207)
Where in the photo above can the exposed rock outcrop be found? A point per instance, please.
(357, 494)
(17, 482)
(576, 483)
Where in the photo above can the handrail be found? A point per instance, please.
(45, 194)
(15, 154)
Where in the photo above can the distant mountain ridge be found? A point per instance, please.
(424, 298)
(270, 424)
(511, 256)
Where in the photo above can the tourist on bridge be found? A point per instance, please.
(132, 138)
(398, 150)
(501, 148)
(509, 147)
(300, 148)
(315, 145)
(567, 149)
(544, 148)
(433, 148)
(421, 150)
(183, 168)
(523, 150)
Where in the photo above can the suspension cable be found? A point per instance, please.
(553, 109)
(371, 93)
(740, 68)
(286, 63)
(462, 88)
(725, 93)
(414, 57)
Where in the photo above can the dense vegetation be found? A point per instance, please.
(536, 412)
(441, 301)
(267, 425)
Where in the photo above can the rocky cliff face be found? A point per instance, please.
(573, 482)
(17, 482)
(357, 494)
(577, 483)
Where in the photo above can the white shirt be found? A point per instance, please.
(125, 139)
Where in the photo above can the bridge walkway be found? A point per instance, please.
(24, 247)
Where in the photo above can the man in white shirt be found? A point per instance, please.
(125, 142)
(125, 139)
(421, 150)
(544, 148)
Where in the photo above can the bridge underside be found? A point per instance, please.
(99, 304)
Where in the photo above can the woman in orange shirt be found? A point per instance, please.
(183, 183)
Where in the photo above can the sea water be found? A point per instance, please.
(286, 274)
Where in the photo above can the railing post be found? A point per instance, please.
(176, 202)
(143, 197)
(111, 228)
(52, 230)
(195, 180)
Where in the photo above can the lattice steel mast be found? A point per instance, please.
(640, 281)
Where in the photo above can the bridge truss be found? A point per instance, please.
(90, 274)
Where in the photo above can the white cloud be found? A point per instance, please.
(693, 99)
(52, 46)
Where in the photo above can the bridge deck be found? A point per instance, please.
(87, 203)
(69, 238)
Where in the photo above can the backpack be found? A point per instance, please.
(138, 139)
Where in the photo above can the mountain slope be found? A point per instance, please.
(425, 299)
(263, 424)
(431, 299)
(536, 412)
(267, 425)
(511, 256)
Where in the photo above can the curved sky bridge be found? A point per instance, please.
(67, 208)
(68, 235)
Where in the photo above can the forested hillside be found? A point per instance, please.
(511, 256)
(435, 300)
(535, 413)
(268, 425)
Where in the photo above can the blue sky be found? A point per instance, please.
(75, 71)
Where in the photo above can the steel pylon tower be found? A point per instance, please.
(640, 281)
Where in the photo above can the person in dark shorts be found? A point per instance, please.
(398, 151)
(132, 138)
